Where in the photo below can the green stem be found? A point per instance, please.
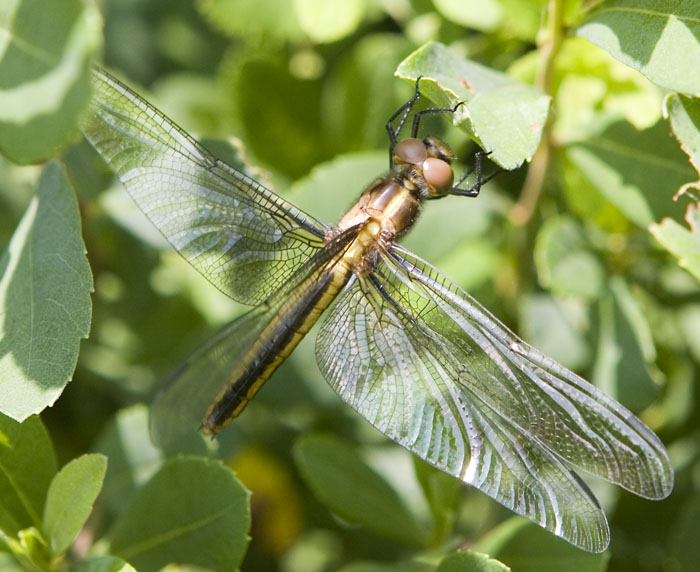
(549, 41)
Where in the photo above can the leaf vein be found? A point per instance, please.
(139, 547)
(646, 12)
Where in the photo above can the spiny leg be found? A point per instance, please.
(474, 190)
(405, 109)
(419, 114)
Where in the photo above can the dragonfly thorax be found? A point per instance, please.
(391, 202)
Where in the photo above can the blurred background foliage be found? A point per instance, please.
(560, 250)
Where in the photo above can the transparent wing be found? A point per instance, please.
(429, 367)
(185, 397)
(180, 405)
(242, 237)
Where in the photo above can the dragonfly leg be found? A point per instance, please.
(419, 114)
(475, 189)
(404, 111)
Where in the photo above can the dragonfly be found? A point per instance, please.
(409, 350)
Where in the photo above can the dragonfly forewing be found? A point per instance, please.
(215, 384)
(242, 237)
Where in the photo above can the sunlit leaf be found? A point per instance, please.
(522, 19)
(593, 89)
(44, 299)
(483, 15)
(637, 171)
(658, 38)
(102, 564)
(469, 561)
(684, 115)
(27, 465)
(682, 242)
(491, 99)
(31, 549)
(268, 18)
(70, 498)
(329, 21)
(45, 55)
(9, 564)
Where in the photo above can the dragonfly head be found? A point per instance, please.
(432, 158)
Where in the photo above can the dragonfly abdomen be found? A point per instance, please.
(286, 328)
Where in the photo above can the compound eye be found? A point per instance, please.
(411, 151)
(437, 148)
(438, 174)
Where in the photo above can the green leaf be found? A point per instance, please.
(657, 37)
(70, 498)
(9, 564)
(326, 21)
(485, 15)
(625, 346)
(274, 19)
(522, 19)
(102, 564)
(337, 181)
(467, 221)
(684, 115)
(471, 264)
(526, 547)
(31, 548)
(593, 89)
(44, 299)
(441, 491)
(342, 480)
(491, 99)
(362, 94)
(681, 242)
(685, 530)
(556, 326)
(637, 171)
(564, 263)
(282, 127)
(187, 568)
(468, 561)
(193, 511)
(45, 56)
(382, 567)
(132, 457)
(27, 465)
